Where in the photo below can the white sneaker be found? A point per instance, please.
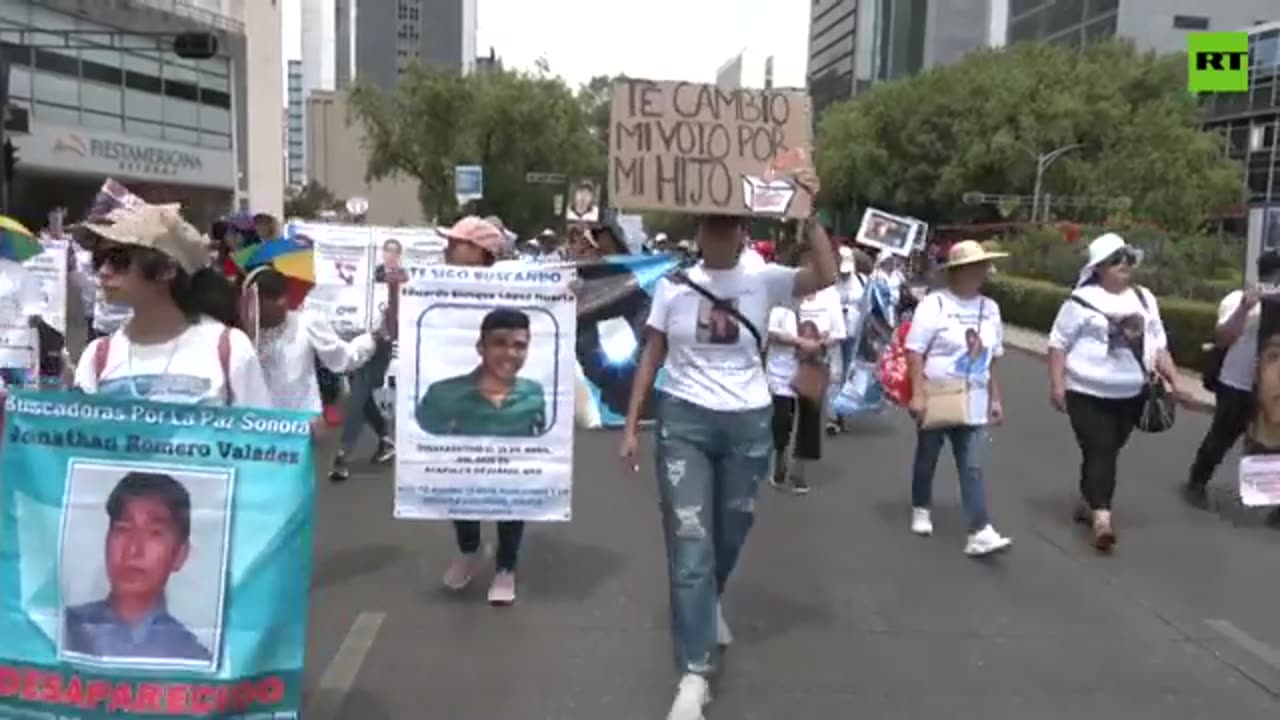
(502, 591)
(461, 570)
(724, 638)
(692, 695)
(920, 522)
(985, 542)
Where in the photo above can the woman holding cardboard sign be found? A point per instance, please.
(714, 411)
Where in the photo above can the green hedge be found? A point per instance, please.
(1033, 304)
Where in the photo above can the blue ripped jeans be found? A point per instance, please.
(967, 444)
(709, 466)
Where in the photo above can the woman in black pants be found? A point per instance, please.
(810, 331)
(1105, 338)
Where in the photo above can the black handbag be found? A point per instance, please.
(1159, 406)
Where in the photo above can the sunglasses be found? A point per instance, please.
(1122, 257)
(118, 257)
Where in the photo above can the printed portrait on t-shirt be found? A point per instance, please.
(1124, 333)
(975, 359)
(716, 324)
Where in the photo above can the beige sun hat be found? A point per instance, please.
(968, 252)
(158, 227)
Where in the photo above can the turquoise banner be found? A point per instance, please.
(155, 559)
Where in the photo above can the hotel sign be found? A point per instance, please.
(79, 151)
(131, 157)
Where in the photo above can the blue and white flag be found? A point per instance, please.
(613, 307)
(860, 393)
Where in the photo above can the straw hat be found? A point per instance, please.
(158, 227)
(968, 252)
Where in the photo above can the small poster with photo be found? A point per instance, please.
(893, 234)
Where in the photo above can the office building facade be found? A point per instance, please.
(854, 44)
(1250, 122)
(757, 69)
(92, 99)
(377, 40)
(162, 125)
(336, 158)
(295, 128)
(319, 44)
(1159, 25)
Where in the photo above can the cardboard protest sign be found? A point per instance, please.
(702, 149)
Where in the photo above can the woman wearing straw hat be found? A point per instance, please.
(1105, 336)
(953, 345)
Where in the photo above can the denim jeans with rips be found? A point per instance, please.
(709, 467)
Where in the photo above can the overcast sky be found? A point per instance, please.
(657, 39)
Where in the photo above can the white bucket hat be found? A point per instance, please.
(1102, 248)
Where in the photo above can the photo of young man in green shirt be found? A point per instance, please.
(490, 400)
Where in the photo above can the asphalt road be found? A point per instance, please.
(838, 610)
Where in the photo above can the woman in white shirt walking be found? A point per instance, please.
(713, 426)
(1095, 374)
(812, 330)
(955, 341)
(1237, 337)
(179, 344)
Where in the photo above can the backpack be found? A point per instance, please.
(102, 351)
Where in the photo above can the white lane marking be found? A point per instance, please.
(325, 700)
(1247, 642)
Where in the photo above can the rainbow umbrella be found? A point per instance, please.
(17, 243)
(294, 258)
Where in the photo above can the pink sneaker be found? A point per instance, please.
(502, 591)
(461, 570)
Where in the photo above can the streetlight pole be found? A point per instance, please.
(1043, 161)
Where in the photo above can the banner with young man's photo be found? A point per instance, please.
(155, 559)
(485, 394)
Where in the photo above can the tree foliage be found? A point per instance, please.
(508, 122)
(596, 98)
(309, 201)
(917, 145)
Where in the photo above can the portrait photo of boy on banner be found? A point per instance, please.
(143, 564)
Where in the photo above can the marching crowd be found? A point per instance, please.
(750, 351)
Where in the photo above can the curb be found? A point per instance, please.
(1192, 404)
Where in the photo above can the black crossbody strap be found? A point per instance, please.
(1133, 346)
(725, 306)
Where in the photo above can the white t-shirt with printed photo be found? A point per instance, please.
(712, 361)
(1241, 358)
(1099, 361)
(959, 338)
(823, 310)
(185, 370)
